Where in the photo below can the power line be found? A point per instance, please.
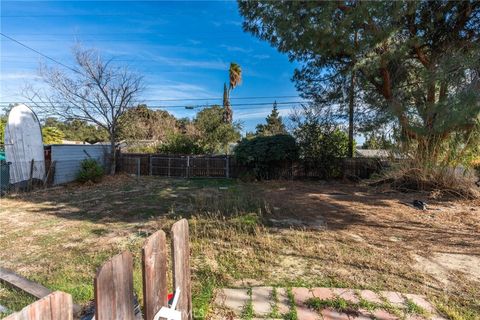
(182, 99)
(38, 52)
(44, 106)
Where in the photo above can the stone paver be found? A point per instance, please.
(383, 315)
(283, 303)
(329, 314)
(421, 302)
(262, 301)
(347, 294)
(371, 296)
(303, 312)
(233, 299)
(323, 293)
(236, 299)
(362, 315)
(395, 298)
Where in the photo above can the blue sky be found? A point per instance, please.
(182, 49)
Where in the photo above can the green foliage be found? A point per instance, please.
(264, 154)
(142, 123)
(214, 133)
(181, 144)
(78, 130)
(3, 123)
(90, 170)
(321, 144)
(52, 135)
(376, 140)
(417, 62)
(274, 124)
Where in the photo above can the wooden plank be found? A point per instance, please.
(12, 279)
(55, 306)
(114, 289)
(154, 271)
(181, 267)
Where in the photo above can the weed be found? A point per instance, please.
(247, 312)
(413, 308)
(275, 313)
(292, 313)
(368, 305)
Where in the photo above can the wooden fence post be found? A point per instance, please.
(150, 164)
(181, 267)
(227, 172)
(154, 272)
(56, 306)
(114, 289)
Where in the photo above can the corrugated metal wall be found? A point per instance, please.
(68, 157)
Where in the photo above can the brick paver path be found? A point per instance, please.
(335, 304)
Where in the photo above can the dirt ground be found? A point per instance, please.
(444, 239)
(272, 233)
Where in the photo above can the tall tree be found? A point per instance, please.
(274, 124)
(142, 123)
(95, 91)
(78, 130)
(235, 79)
(417, 62)
(52, 135)
(214, 134)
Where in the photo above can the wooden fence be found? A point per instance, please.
(113, 284)
(185, 166)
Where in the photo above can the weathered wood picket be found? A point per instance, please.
(56, 306)
(113, 284)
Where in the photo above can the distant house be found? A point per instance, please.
(379, 154)
(372, 153)
(73, 142)
(120, 145)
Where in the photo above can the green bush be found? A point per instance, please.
(90, 170)
(181, 144)
(264, 155)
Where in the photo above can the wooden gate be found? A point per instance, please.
(113, 284)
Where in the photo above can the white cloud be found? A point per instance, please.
(18, 76)
(180, 62)
(235, 49)
(260, 113)
(261, 56)
(166, 90)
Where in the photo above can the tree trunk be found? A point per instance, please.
(351, 107)
(113, 155)
(351, 101)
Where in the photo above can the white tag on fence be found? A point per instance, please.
(170, 313)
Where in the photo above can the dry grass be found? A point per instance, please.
(440, 181)
(279, 233)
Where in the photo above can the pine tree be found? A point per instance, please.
(274, 124)
(416, 63)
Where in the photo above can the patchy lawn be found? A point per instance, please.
(279, 233)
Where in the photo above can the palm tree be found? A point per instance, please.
(235, 74)
(235, 78)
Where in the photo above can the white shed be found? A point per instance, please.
(67, 159)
